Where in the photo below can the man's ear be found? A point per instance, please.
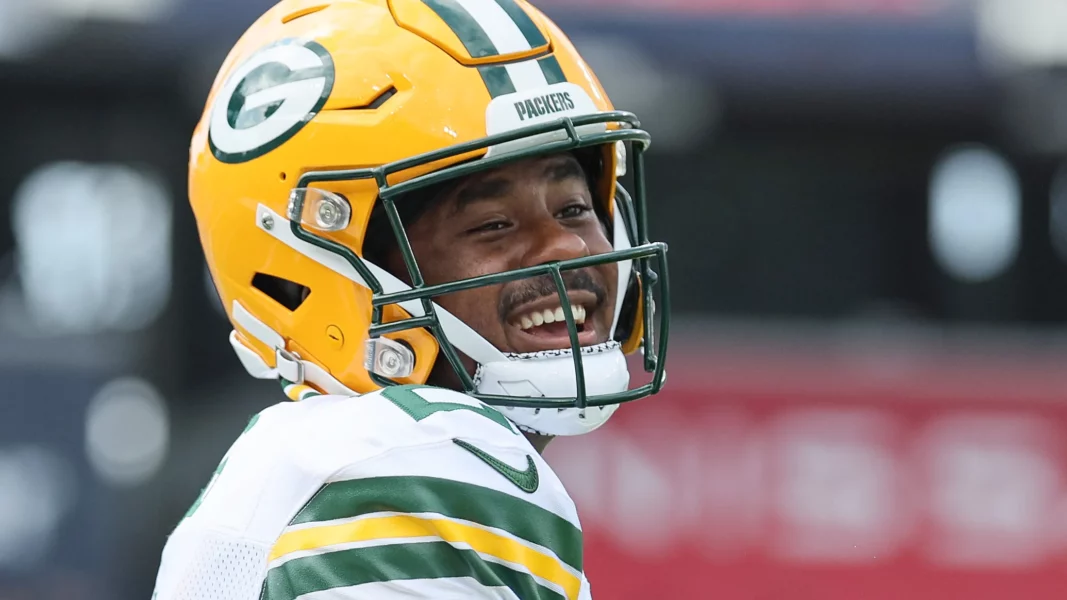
(592, 162)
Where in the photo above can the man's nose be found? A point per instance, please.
(553, 242)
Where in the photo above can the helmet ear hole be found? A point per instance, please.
(287, 293)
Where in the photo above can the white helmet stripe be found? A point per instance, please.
(526, 75)
(497, 25)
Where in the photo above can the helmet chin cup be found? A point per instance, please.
(551, 374)
(559, 422)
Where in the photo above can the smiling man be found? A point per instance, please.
(536, 211)
(413, 213)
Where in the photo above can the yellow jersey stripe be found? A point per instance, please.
(407, 526)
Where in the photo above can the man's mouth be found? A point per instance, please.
(548, 317)
(542, 325)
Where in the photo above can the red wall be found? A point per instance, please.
(801, 477)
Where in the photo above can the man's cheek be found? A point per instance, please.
(611, 281)
(476, 308)
(610, 275)
(596, 238)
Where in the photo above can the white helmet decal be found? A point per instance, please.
(269, 98)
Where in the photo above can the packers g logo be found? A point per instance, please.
(270, 98)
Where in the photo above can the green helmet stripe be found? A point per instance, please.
(553, 72)
(497, 79)
(465, 26)
(526, 25)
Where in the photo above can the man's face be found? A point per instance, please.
(529, 213)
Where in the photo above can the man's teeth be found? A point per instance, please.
(538, 318)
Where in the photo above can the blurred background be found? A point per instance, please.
(866, 205)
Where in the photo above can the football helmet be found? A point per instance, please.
(325, 110)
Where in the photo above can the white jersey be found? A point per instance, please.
(412, 492)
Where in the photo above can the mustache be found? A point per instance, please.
(535, 288)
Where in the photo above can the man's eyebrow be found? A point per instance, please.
(488, 189)
(564, 169)
(496, 188)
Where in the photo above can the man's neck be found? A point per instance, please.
(539, 442)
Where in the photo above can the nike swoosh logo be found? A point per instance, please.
(526, 481)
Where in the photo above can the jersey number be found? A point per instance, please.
(418, 408)
(218, 471)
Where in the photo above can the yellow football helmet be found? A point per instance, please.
(325, 109)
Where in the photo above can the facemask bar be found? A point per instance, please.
(643, 253)
(645, 256)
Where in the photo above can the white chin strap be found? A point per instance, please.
(551, 375)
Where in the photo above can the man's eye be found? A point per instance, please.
(490, 226)
(574, 210)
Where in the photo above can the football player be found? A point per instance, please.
(412, 212)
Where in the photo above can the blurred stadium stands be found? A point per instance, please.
(866, 205)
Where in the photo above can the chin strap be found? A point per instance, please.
(288, 366)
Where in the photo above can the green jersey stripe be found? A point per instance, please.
(466, 28)
(553, 72)
(526, 25)
(490, 508)
(427, 560)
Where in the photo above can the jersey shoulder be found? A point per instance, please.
(389, 493)
(442, 489)
(337, 432)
